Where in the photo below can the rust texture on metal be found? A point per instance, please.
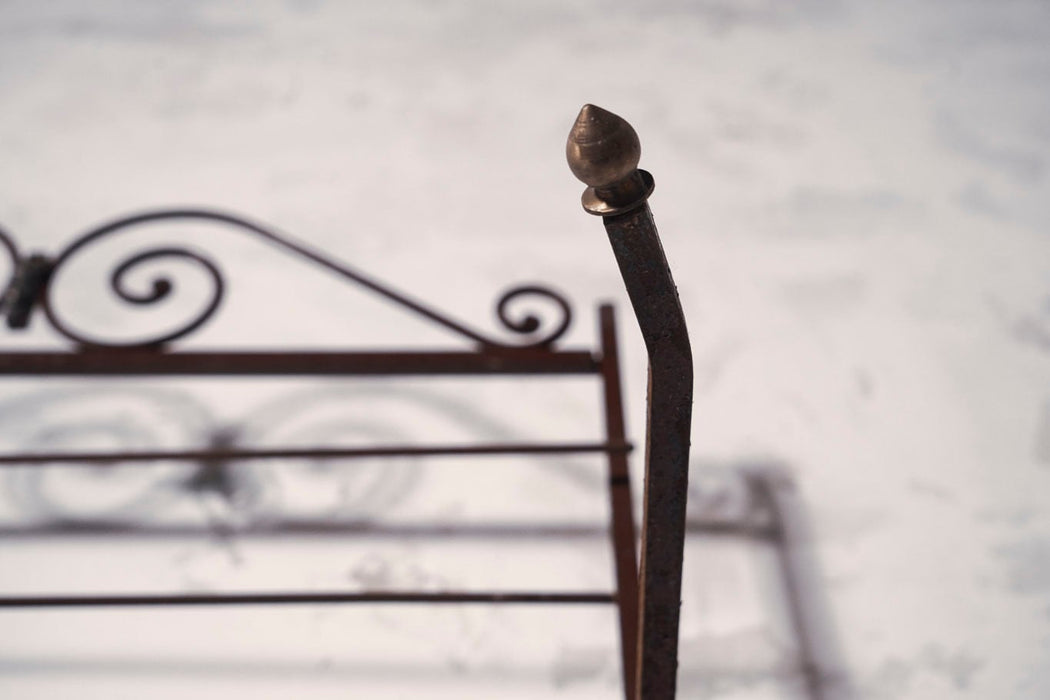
(601, 137)
(621, 508)
(125, 363)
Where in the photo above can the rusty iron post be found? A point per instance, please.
(603, 152)
(621, 509)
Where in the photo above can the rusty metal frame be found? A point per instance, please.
(28, 294)
(603, 151)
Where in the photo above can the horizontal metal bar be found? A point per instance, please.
(155, 363)
(310, 528)
(300, 599)
(319, 453)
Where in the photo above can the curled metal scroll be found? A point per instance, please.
(530, 323)
(536, 333)
(161, 288)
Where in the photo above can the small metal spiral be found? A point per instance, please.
(161, 288)
(530, 324)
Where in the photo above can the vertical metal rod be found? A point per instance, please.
(603, 151)
(655, 299)
(621, 506)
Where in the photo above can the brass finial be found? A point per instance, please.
(603, 152)
(602, 147)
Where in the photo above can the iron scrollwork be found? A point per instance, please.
(535, 332)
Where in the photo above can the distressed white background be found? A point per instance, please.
(853, 196)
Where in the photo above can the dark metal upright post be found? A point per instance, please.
(603, 151)
(621, 510)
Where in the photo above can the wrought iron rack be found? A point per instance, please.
(603, 151)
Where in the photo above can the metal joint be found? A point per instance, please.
(26, 289)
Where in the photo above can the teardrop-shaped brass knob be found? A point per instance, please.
(602, 147)
(603, 151)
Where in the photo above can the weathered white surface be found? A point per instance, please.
(855, 201)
